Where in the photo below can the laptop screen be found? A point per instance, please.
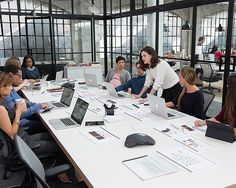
(79, 110)
(67, 96)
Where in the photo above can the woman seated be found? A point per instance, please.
(190, 100)
(228, 113)
(29, 71)
(118, 75)
(10, 123)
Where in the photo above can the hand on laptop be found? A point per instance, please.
(142, 100)
(44, 105)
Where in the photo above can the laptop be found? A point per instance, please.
(59, 75)
(76, 118)
(91, 80)
(220, 131)
(158, 106)
(112, 91)
(65, 101)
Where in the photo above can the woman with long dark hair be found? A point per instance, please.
(159, 74)
(29, 70)
(228, 113)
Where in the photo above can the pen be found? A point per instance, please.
(135, 158)
(43, 92)
(135, 105)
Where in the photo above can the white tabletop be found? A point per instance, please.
(101, 164)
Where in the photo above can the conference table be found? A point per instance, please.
(105, 163)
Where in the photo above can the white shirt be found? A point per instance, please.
(164, 76)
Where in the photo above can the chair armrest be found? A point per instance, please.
(57, 170)
(34, 145)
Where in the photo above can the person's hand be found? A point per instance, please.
(25, 83)
(31, 81)
(142, 100)
(137, 96)
(44, 105)
(199, 123)
(21, 106)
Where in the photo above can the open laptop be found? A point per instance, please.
(59, 75)
(76, 118)
(65, 101)
(91, 80)
(112, 91)
(158, 106)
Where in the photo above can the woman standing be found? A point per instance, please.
(160, 74)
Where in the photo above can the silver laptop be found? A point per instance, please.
(76, 118)
(65, 101)
(158, 106)
(59, 75)
(91, 80)
(112, 91)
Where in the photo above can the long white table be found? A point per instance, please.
(100, 165)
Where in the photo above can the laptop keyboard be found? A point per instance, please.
(170, 115)
(57, 104)
(67, 122)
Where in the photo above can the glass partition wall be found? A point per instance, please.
(87, 31)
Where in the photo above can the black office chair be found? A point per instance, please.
(35, 166)
(209, 75)
(8, 156)
(208, 98)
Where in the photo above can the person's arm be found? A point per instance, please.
(141, 92)
(198, 106)
(31, 109)
(38, 74)
(123, 87)
(200, 122)
(23, 84)
(5, 124)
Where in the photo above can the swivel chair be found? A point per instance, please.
(209, 75)
(35, 166)
(208, 98)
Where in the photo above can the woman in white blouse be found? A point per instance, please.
(159, 74)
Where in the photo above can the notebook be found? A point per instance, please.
(112, 91)
(158, 106)
(65, 100)
(76, 118)
(91, 80)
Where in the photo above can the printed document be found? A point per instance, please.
(98, 135)
(187, 159)
(150, 166)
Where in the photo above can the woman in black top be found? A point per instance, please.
(9, 120)
(190, 100)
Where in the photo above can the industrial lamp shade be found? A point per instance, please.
(219, 28)
(187, 26)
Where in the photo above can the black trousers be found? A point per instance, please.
(172, 93)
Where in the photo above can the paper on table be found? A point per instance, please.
(150, 166)
(193, 143)
(187, 159)
(98, 135)
(170, 131)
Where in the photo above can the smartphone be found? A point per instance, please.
(47, 109)
(94, 123)
(187, 127)
(111, 101)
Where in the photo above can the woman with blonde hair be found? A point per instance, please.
(190, 100)
(228, 113)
